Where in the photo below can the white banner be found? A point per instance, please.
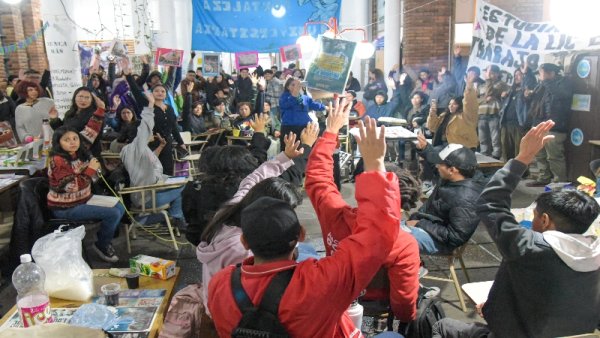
(62, 51)
(502, 39)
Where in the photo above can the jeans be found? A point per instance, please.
(452, 328)
(551, 159)
(111, 217)
(172, 197)
(489, 135)
(306, 251)
(428, 245)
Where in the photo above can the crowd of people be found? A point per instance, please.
(239, 211)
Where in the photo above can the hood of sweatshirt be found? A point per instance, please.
(581, 253)
(225, 243)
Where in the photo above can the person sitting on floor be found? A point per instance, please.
(447, 219)
(548, 284)
(315, 301)
(338, 220)
(144, 166)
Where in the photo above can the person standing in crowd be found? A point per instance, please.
(352, 83)
(29, 114)
(12, 84)
(294, 108)
(273, 91)
(551, 100)
(513, 114)
(444, 88)
(416, 117)
(490, 101)
(243, 88)
(376, 85)
(548, 281)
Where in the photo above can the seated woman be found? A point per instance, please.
(85, 108)
(29, 115)
(145, 168)
(415, 116)
(242, 122)
(70, 174)
(274, 126)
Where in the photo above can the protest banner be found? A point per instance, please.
(331, 67)
(211, 64)
(290, 53)
(237, 26)
(246, 60)
(501, 38)
(168, 57)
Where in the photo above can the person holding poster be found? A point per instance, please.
(551, 100)
(294, 108)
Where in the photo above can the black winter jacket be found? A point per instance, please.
(448, 215)
(551, 100)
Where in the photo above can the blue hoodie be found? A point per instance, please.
(294, 110)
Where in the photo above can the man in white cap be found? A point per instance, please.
(447, 219)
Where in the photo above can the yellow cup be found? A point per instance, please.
(236, 132)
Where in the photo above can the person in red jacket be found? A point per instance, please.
(315, 301)
(339, 220)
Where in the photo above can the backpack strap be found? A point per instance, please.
(239, 294)
(272, 296)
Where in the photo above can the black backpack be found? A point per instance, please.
(261, 321)
(429, 311)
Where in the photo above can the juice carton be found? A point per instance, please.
(153, 267)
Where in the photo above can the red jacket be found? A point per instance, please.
(338, 221)
(315, 302)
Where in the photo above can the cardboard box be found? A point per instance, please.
(153, 267)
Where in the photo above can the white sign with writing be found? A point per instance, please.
(61, 48)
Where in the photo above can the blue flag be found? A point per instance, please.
(263, 26)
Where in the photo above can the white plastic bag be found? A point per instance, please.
(67, 275)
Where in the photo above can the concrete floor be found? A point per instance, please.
(481, 256)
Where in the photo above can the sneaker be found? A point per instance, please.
(430, 291)
(108, 254)
(423, 271)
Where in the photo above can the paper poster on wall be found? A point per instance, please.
(290, 53)
(331, 67)
(581, 102)
(246, 60)
(211, 64)
(577, 137)
(168, 57)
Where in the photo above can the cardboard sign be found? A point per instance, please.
(290, 53)
(246, 60)
(168, 57)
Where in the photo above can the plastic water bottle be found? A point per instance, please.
(47, 135)
(32, 300)
(355, 312)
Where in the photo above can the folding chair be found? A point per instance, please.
(191, 157)
(148, 193)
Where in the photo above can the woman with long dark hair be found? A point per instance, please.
(28, 115)
(85, 108)
(71, 172)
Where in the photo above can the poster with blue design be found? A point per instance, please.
(331, 67)
(252, 25)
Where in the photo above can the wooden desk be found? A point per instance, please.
(230, 139)
(102, 277)
(484, 161)
(595, 142)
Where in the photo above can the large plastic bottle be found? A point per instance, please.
(32, 300)
(46, 135)
(355, 312)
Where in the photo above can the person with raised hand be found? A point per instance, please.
(271, 230)
(339, 220)
(546, 271)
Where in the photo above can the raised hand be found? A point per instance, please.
(126, 66)
(261, 82)
(371, 144)
(190, 86)
(53, 113)
(150, 99)
(259, 122)
(391, 83)
(99, 103)
(534, 141)
(144, 59)
(471, 76)
(291, 146)
(310, 134)
(421, 141)
(338, 116)
(116, 101)
(254, 79)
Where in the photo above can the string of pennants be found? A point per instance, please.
(24, 43)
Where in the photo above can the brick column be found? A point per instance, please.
(32, 22)
(427, 33)
(530, 10)
(12, 28)
(3, 74)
